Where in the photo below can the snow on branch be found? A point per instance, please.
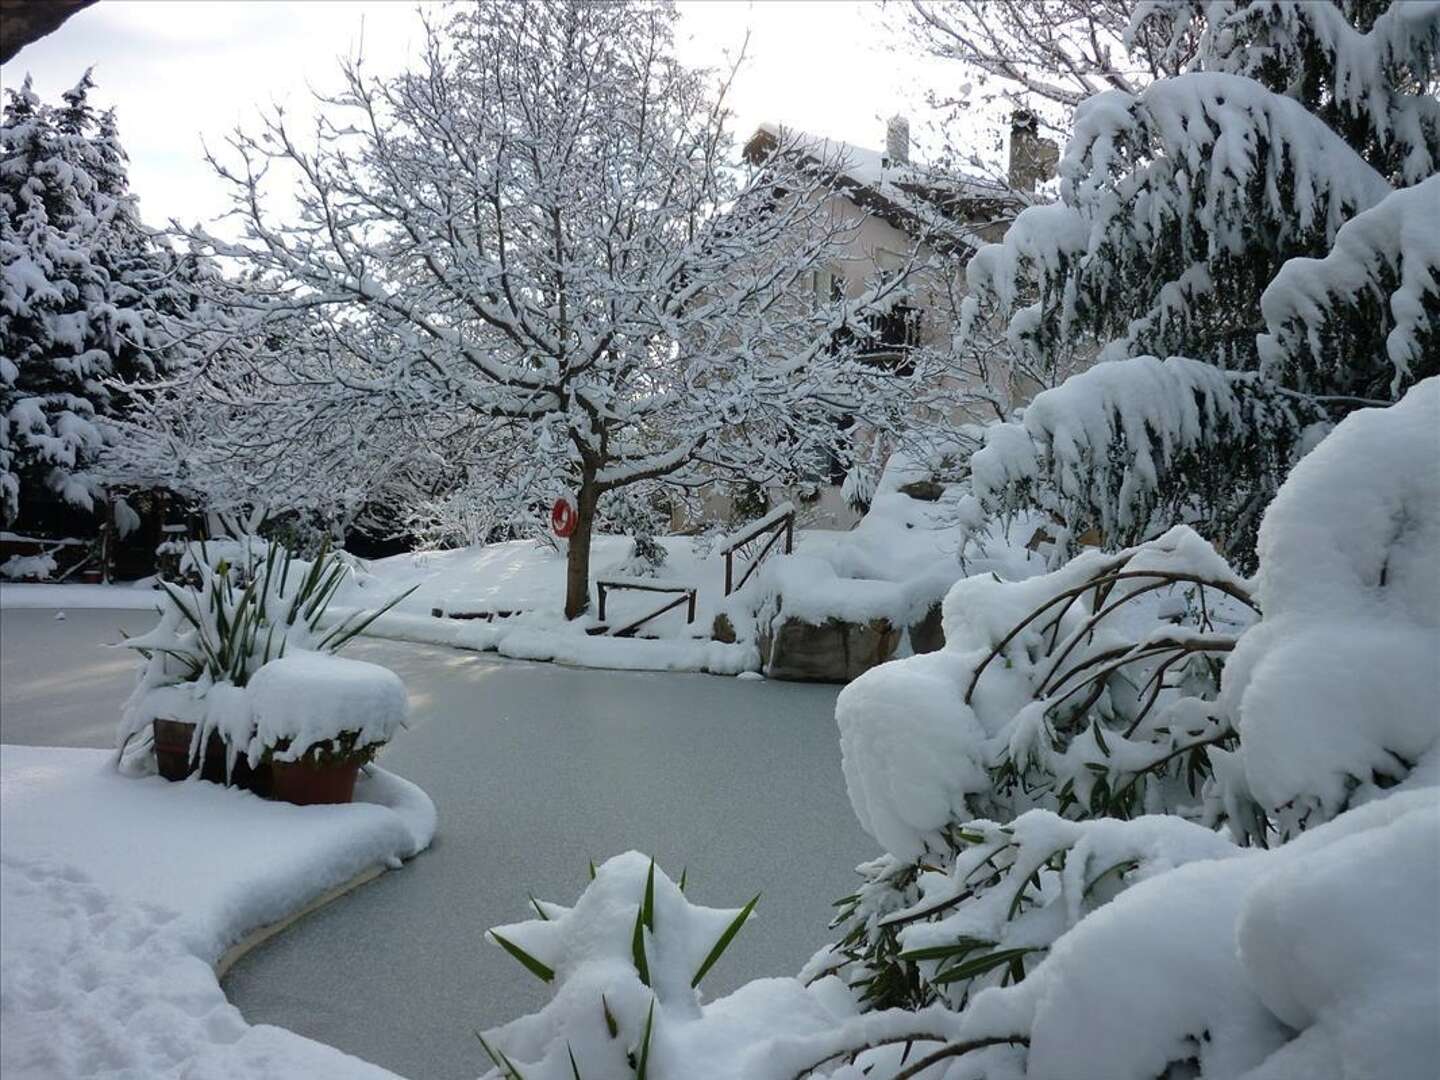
(1196, 181)
(1378, 288)
(1130, 446)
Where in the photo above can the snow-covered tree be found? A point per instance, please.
(85, 290)
(537, 250)
(1247, 222)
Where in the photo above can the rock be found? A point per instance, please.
(835, 651)
(928, 635)
(924, 490)
(723, 630)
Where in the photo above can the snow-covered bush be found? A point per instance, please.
(1082, 691)
(1132, 446)
(626, 961)
(1335, 690)
(246, 603)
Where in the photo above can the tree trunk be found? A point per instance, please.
(577, 564)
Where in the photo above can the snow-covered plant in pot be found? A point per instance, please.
(243, 605)
(318, 718)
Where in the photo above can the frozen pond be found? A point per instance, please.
(535, 769)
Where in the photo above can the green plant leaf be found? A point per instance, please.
(683, 871)
(645, 1042)
(538, 909)
(649, 907)
(724, 942)
(499, 1060)
(1120, 869)
(574, 1069)
(592, 869)
(979, 966)
(610, 1024)
(541, 971)
(637, 946)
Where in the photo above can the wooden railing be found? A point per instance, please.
(777, 523)
(686, 596)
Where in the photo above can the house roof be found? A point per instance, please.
(913, 198)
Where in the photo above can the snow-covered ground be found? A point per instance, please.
(119, 895)
(535, 769)
(895, 563)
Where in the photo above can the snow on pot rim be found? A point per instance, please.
(307, 698)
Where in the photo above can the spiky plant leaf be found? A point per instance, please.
(645, 1043)
(637, 946)
(724, 941)
(541, 971)
(649, 907)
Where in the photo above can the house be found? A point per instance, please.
(896, 202)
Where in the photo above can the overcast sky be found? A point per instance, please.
(178, 71)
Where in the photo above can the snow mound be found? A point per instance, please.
(1336, 688)
(309, 697)
(1319, 959)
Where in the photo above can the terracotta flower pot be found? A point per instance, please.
(306, 783)
(172, 748)
(172, 756)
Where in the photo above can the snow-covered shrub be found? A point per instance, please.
(28, 567)
(1327, 703)
(1335, 690)
(943, 929)
(245, 603)
(310, 706)
(626, 962)
(1082, 691)
(1132, 446)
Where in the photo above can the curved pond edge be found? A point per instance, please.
(261, 934)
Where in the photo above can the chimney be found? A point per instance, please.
(897, 141)
(1032, 159)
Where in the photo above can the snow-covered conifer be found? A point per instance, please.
(84, 290)
(1262, 213)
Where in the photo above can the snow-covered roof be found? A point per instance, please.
(906, 194)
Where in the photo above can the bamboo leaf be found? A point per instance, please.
(574, 1069)
(538, 909)
(979, 966)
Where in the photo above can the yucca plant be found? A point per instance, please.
(670, 945)
(232, 613)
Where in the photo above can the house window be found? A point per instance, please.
(826, 287)
(886, 340)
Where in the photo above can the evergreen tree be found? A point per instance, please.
(1257, 213)
(85, 290)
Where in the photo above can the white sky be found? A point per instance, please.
(178, 71)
